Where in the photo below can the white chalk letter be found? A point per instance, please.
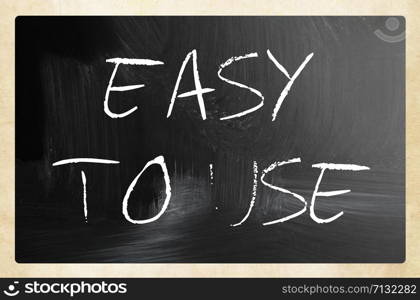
(255, 91)
(292, 79)
(85, 210)
(199, 91)
(159, 161)
(125, 61)
(84, 160)
(330, 166)
(254, 195)
(299, 197)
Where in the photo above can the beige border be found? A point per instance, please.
(11, 8)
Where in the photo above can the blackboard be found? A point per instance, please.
(210, 139)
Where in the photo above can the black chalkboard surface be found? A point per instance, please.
(210, 139)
